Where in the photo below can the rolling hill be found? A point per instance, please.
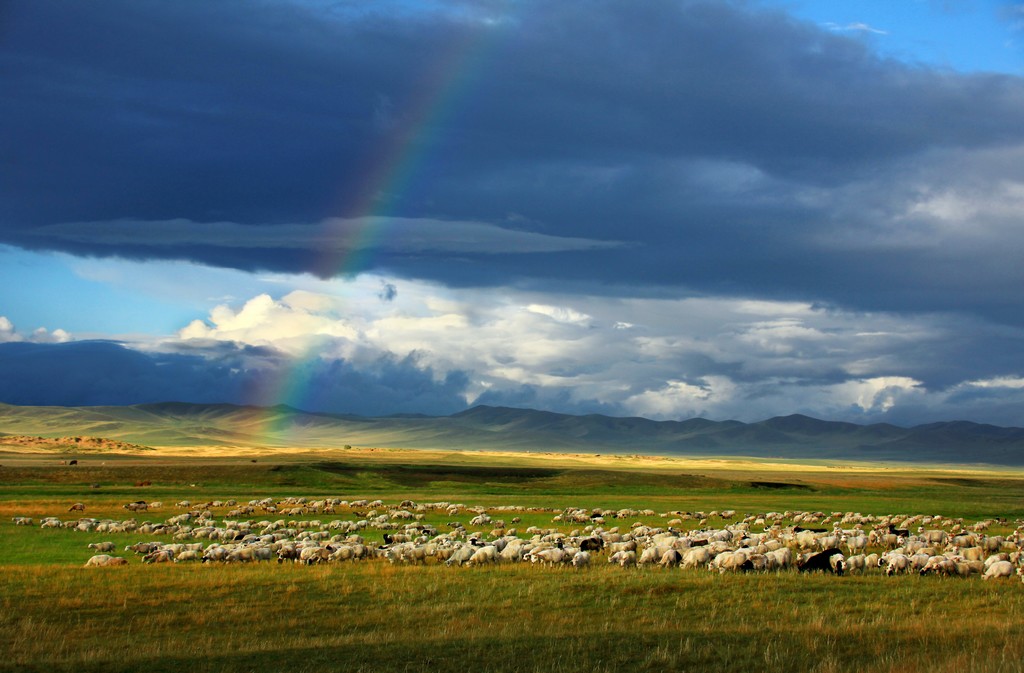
(507, 429)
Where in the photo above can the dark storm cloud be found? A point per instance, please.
(734, 149)
(88, 373)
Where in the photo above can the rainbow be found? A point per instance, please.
(405, 148)
(391, 174)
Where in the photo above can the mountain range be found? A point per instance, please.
(508, 429)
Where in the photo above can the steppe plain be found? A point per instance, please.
(372, 615)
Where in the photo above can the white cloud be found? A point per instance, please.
(1012, 382)
(955, 203)
(560, 314)
(293, 324)
(679, 399)
(855, 27)
(717, 357)
(783, 336)
(961, 206)
(9, 334)
(875, 394)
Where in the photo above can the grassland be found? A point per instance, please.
(371, 616)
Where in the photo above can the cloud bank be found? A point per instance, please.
(437, 350)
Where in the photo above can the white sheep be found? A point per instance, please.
(896, 563)
(461, 555)
(729, 560)
(973, 553)
(488, 554)
(308, 555)
(649, 556)
(999, 569)
(857, 562)
(670, 559)
(696, 557)
(550, 556)
(105, 560)
(102, 546)
(856, 544)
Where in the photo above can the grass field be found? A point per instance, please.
(372, 616)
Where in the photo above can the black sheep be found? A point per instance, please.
(899, 531)
(822, 561)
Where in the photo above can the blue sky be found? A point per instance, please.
(962, 35)
(724, 209)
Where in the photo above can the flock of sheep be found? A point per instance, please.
(834, 542)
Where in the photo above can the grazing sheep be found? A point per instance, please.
(649, 556)
(729, 560)
(896, 563)
(933, 536)
(805, 539)
(696, 557)
(143, 548)
(105, 560)
(581, 559)
(822, 561)
(857, 562)
(993, 544)
(628, 545)
(623, 558)
(781, 558)
(856, 544)
(973, 553)
(482, 555)
(310, 555)
(480, 520)
(670, 559)
(550, 556)
(342, 553)
(939, 565)
(757, 562)
(102, 546)
(159, 556)
(215, 554)
(461, 555)
(995, 558)
(999, 569)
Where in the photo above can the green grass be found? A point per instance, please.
(370, 616)
(373, 617)
(970, 496)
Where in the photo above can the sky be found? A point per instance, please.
(668, 209)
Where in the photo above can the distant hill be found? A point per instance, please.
(507, 429)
